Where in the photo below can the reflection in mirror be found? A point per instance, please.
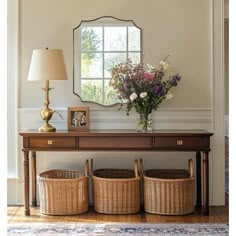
(99, 45)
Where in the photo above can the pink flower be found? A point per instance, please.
(149, 76)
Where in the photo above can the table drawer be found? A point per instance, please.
(115, 143)
(180, 142)
(52, 142)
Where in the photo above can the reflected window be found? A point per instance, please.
(98, 46)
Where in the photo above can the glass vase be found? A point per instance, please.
(144, 123)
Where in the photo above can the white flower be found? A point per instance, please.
(164, 65)
(133, 96)
(169, 96)
(150, 68)
(125, 100)
(143, 94)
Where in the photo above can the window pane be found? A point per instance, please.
(92, 90)
(115, 38)
(134, 38)
(91, 65)
(91, 38)
(112, 59)
(134, 57)
(110, 96)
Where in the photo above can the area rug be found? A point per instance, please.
(124, 229)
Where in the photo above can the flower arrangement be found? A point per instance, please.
(143, 86)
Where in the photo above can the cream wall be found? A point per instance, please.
(180, 28)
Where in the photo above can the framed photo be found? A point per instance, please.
(78, 119)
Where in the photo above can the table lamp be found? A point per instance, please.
(47, 64)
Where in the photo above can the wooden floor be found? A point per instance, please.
(217, 215)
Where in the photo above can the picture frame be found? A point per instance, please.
(78, 119)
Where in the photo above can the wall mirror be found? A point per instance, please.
(98, 45)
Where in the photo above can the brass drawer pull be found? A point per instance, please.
(49, 142)
(179, 142)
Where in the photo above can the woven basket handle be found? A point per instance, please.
(141, 168)
(86, 168)
(92, 167)
(136, 169)
(190, 167)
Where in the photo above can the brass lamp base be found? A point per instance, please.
(46, 113)
(47, 128)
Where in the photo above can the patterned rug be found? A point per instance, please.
(124, 229)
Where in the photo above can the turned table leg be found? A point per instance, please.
(205, 209)
(26, 181)
(33, 173)
(199, 179)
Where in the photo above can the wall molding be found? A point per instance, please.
(217, 163)
(227, 125)
(12, 86)
(29, 118)
(226, 9)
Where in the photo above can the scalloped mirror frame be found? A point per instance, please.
(78, 77)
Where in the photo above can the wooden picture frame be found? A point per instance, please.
(78, 119)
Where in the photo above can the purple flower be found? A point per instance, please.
(126, 83)
(158, 90)
(174, 81)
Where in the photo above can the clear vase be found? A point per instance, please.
(144, 123)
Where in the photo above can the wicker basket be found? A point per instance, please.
(63, 192)
(169, 192)
(116, 191)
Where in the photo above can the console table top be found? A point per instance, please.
(119, 132)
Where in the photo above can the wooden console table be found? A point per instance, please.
(120, 140)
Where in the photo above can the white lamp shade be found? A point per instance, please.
(47, 64)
